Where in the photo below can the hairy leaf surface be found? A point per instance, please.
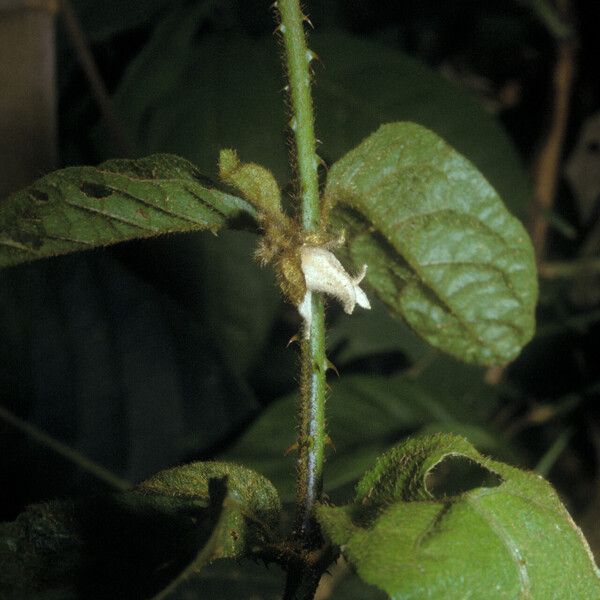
(83, 207)
(139, 543)
(253, 495)
(505, 534)
(443, 251)
(246, 514)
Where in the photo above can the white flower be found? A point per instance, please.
(323, 272)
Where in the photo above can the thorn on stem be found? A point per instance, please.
(310, 56)
(322, 163)
(307, 20)
(330, 366)
(292, 448)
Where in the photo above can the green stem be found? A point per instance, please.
(297, 61)
(312, 437)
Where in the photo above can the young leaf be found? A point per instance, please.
(443, 252)
(79, 208)
(501, 534)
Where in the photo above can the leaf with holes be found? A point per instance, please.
(83, 207)
(435, 519)
(443, 251)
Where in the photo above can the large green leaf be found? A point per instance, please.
(364, 84)
(443, 251)
(82, 207)
(505, 535)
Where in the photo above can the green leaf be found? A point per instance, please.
(249, 510)
(443, 251)
(79, 208)
(415, 531)
(136, 543)
(364, 84)
(253, 498)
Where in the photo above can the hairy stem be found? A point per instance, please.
(297, 61)
(312, 437)
(311, 443)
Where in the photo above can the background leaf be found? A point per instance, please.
(373, 332)
(170, 99)
(507, 534)
(364, 84)
(364, 415)
(243, 580)
(99, 22)
(79, 208)
(442, 250)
